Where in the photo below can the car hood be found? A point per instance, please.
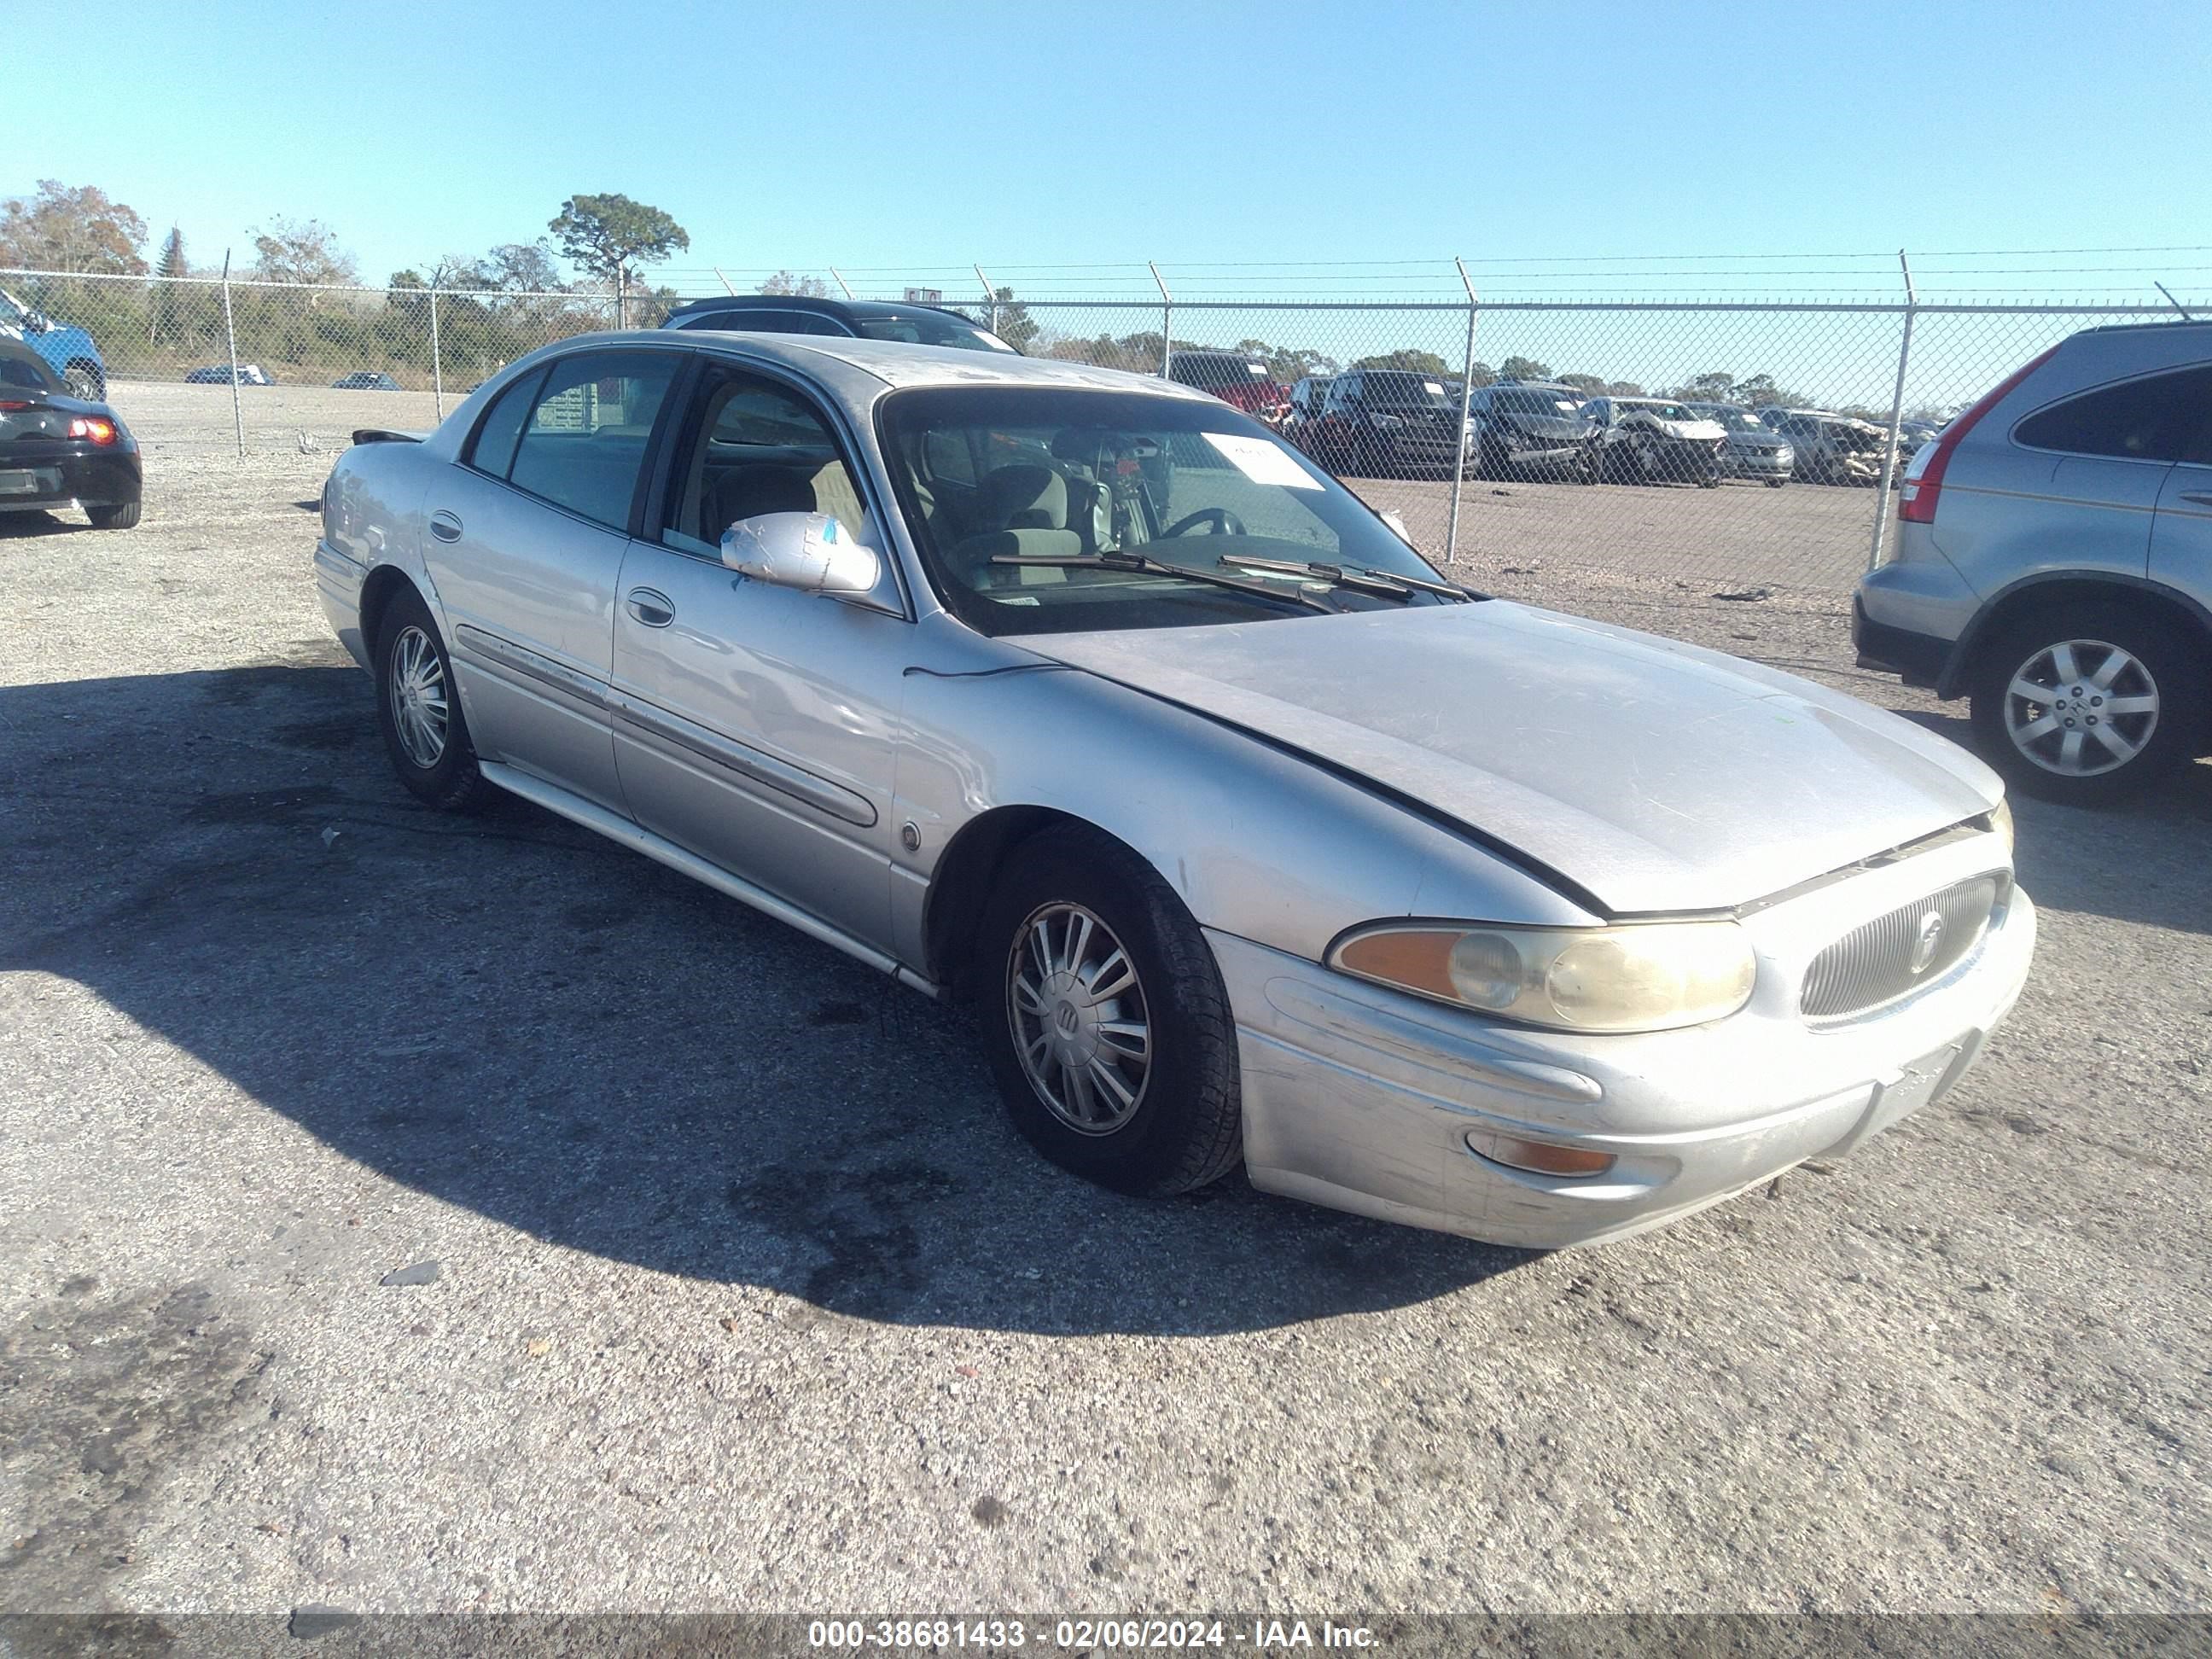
(1568, 428)
(1653, 775)
(1692, 432)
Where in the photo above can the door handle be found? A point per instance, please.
(2198, 497)
(445, 526)
(651, 607)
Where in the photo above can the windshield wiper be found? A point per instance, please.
(1387, 582)
(1142, 564)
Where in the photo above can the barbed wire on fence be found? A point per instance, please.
(1469, 475)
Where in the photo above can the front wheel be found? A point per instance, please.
(85, 381)
(1775, 484)
(2088, 704)
(419, 714)
(1107, 1026)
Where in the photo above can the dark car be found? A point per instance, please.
(60, 451)
(1531, 426)
(1385, 423)
(364, 379)
(854, 319)
(223, 375)
(1241, 381)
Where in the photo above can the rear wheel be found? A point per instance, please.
(1106, 1023)
(2088, 704)
(417, 711)
(122, 517)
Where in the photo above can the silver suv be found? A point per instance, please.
(2054, 564)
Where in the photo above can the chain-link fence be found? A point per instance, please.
(1740, 444)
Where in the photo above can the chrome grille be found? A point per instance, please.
(1875, 962)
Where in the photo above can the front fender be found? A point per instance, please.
(1257, 842)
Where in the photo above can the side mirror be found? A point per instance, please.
(810, 552)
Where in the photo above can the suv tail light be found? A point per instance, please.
(1923, 484)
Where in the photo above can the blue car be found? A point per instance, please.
(69, 350)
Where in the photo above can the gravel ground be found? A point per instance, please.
(745, 1296)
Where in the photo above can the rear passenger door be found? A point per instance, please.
(2115, 447)
(2181, 533)
(756, 726)
(525, 537)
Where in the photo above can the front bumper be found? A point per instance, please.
(39, 477)
(1758, 463)
(1363, 1099)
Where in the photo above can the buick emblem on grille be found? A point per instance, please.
(1927, 942)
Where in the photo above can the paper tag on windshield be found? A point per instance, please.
(1261, 461)
(1437, 386)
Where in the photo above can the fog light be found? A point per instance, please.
(1537, 1157)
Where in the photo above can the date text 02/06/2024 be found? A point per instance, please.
(1086, 1635)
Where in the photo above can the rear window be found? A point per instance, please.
(926, 328)
(1217, 373)
(1391, 387)
(2152, 419)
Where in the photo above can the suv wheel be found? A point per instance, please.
(2088, 704)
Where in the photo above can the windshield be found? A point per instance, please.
(1039, 473)
(928, 329)
(1399, 391)
(1533, 403)
(1736, 419)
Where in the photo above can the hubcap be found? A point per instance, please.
(2081, 708)
(418, 697)
(1080, 1022)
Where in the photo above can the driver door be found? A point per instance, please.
(756, 726)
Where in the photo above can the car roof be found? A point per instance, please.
(895, 362)
(849, 310)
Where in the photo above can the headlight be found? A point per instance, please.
(1386, 422)
(1785, 453)
(1650, 976)
(2001, 824)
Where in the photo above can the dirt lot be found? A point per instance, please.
(747, 1296)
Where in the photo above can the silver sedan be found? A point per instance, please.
(1085, 697)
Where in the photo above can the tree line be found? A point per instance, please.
(494, 306)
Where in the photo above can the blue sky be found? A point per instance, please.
(903, 141)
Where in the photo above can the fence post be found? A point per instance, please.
(990, 295)
(1167, 321)
(1887, 482)
(1465, 403)
(437, 368)
(230, 339)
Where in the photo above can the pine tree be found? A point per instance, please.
(169, 295)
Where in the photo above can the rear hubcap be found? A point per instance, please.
(418, 697)
(2081, 708)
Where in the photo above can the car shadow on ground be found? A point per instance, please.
(517, 1017)
(2142, 861)
(23, 526)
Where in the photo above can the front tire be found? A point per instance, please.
(1105, 1020)
(86, 382)
(2089, 704)
(419, 714)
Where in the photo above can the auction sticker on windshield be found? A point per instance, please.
(1262, 462)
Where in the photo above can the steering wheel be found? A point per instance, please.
(1224, 523)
